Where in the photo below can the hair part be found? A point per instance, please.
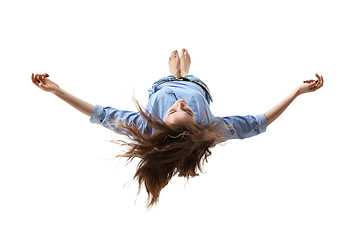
(168, 151)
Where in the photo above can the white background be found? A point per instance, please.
(299, 180)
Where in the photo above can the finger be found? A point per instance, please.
(41, 78)
(312, 85)
(311, 81)
(318, 77)
(321, 81)
(42, 85)
(33, 79)
(37, 77)
(319, 84)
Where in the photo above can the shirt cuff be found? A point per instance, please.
(262, 122)
(96, 116)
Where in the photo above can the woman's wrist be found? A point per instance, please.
(57, 91)
(297, 91)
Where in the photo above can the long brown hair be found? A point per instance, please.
(168, 151)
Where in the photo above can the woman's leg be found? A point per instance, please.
(174, 67)
(179, 67)
(174, 64)
(185, 61)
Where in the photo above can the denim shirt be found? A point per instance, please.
(164, 96)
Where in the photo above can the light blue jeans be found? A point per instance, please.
(191, 78)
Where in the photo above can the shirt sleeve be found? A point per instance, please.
(103, 115)
(240, 127)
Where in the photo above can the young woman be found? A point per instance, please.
(175, 132)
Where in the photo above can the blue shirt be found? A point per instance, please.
(165, 96)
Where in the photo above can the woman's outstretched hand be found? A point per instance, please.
(41, 81)
(308, 86)
(311, 85)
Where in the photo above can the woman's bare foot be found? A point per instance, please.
(184, 62)
(174, 64)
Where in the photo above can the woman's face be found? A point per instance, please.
(180, 113)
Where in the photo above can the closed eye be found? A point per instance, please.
(189, 112)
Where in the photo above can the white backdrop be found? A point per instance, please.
(299, 180)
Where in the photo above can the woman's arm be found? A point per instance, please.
(49, 86)
(308, 86)
(77, 103)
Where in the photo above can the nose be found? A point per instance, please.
(180, 105)
(181, 102)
